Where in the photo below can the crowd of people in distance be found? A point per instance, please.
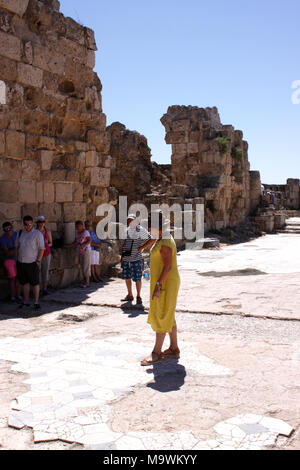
(270, 198)
(27, 259)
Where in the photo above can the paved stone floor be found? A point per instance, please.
(70, 376)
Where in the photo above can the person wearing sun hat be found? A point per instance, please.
(46, 260)
(132, 259)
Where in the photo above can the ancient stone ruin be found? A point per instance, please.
(54, 145)
(58, 158)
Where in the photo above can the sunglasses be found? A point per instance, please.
(28, 225)
(8, 229)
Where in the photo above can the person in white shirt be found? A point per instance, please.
(30, 248)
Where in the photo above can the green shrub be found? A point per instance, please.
(223, 144)
(237, 153)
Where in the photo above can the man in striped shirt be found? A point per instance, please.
(132, 259)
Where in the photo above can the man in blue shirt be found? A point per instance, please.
(7, 245)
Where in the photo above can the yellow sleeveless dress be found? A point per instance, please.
(162, 310)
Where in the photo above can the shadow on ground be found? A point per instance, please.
(168, 375)
(238, 272)
(9, 310)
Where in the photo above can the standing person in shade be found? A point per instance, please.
(164, 286)
(45, 263)
(95, 251)
(7, 245)
(132, 259)
(83, 244)
(30, 248)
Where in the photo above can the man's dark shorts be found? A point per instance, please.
(132, 270)
(28, 273)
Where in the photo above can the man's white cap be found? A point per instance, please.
(131, 216)
(41, 218)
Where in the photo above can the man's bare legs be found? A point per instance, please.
(129, 287)
(26, 291)
(139, 288)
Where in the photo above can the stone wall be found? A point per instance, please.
(54, 147)
(210, 160)
(53, 140)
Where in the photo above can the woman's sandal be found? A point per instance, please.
(172, 352)
(145, 362)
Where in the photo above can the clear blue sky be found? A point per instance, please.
(241, 56)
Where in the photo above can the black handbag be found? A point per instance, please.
(127, 252)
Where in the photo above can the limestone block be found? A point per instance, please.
(91, 59)
(100, 177)
(46, 142)
(10, 170)
(80, 160)
(10, 46)
(15, 144)
(9, 210)
(192, 148)
(39, 191)
(15, 6)
(181, 125)
(179, 137)
(63, 192)
(30, 170)
(107, 161)
(90, 39)
(81, 146)
(54, 175)
(73, 175)
(30, 209)
(67, 47)
(29, 75)
(8, 70)
(48, 192)
(8, 191)
(46, 157)
(74, 31)
(179, 148)
(27, 191)
(100, 140)
(178, 158)
(77, 192)
(92, 158)
(74, 211)
(52, 212)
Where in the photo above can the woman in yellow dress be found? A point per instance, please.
(164, 286)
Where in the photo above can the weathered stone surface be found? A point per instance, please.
(15, 6)
(46, 157)
(10, 46)
(212, 159)
(63, 192)
(29, 75)
(54, 146)
(14, 144)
